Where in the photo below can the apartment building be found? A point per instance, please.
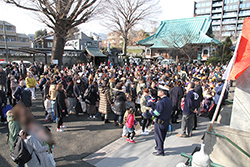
(14, 39)
(227, 15)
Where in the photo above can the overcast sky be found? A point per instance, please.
(25, 21)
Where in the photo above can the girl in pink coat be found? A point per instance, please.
(130, 125)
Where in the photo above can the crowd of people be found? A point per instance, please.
(154, 94)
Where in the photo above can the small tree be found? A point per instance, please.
(122, 15)
(224, 53)
(183, 42)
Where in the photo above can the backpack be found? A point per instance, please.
(26, 97)
(20, 154)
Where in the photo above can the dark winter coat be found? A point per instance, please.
(198, 89)
(60, 104)
(93, 95)
(70, 91)
(176, 94)
(119, 107)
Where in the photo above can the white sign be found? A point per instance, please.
(55, 61)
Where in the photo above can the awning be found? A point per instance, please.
(94, 51)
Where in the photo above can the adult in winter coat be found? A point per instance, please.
(145, 112)
(70, 95)
(91, 100)
(60, 107)
(2, 79)
(105, 100)
(52, 95)
(77, 93)
(119, 107)
(14, 129)
(31, 83)
(176, 94)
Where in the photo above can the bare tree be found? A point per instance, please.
(182, 41)
(61, 16)
(122, 15)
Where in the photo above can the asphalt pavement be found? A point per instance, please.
(80, 139)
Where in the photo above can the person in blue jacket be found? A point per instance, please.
(192, 103)
(162, 114)
(218, 91)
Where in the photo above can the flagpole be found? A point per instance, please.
(226, 77)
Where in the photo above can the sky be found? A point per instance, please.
(26, 22)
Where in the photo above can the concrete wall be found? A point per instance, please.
(67, 60)
(241, 107)
(224, 153)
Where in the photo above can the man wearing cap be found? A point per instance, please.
(162, 114)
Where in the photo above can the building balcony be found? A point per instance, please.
(244, 14)
(228, 28)
(217, 11)
(216, 17)
(229, 22)
(216, 23)
(240, 21)
(218, 4)
(239, 28)
(230, 16)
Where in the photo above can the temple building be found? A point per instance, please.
(181, 39)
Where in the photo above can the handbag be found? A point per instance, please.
(66, 102)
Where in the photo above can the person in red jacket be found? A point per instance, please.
(130, 125)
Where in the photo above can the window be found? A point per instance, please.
(230, 7)
(205, 52)
(231, 1)
(245, 5)
(49, 44)
(216, 28)
(230, 14)
(89, 43)
(245, 12)
(205, 10)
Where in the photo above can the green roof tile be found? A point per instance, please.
(178, 32)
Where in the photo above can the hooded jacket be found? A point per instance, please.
(105, 100)
(119, 103)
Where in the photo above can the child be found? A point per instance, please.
(48, 108)
(130, 125)
(129, 104)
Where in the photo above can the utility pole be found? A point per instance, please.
(6, 44)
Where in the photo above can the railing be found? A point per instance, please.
(231, 142)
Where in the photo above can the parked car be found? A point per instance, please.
(26, 63)
(167, 61)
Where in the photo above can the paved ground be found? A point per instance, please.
(121, 153)
(81, 138)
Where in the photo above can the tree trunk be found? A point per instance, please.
(58, 48)
(124, 49)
